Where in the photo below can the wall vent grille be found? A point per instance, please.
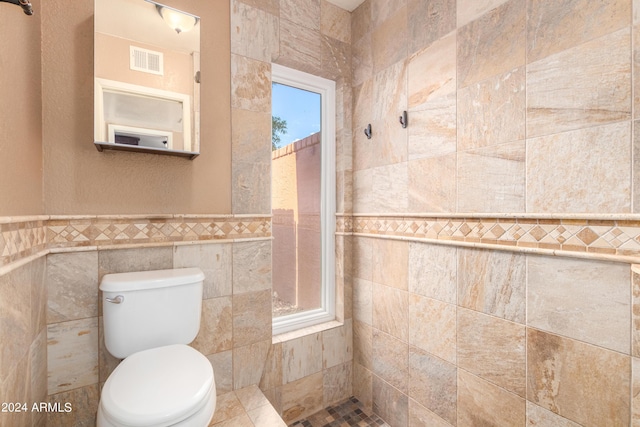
(147, 61)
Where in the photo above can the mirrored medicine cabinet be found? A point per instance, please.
(146, 78)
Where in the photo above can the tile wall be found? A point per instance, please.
(520, 147)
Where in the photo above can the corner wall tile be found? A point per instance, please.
(363, 344)
(335, 22)
(255, 33)
(250, 84)
(470, 10)
(337, 345)
(337, 384)
(302, 397)
(584, 383)
(248, 363)
(389, 39)
(15, 319)
(581, 299)
(216, 326)
(301, 357)
(222, 364)
(391, 405)
(363, 385)
(251, 317)
(390, 360)
(429, 21)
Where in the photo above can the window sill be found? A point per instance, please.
(288, 336)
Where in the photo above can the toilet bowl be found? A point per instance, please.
(149, 318)
(166, 386)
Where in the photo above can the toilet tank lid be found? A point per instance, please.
(121, 282)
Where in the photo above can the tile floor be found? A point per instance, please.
(245, 408)
(344, 414)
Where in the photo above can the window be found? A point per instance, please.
(303, 199)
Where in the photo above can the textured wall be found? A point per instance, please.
(514, 107)
(20, 112)
(80, 180)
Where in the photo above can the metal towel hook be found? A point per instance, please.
(367, 131)
(403, 119)
(24, 4)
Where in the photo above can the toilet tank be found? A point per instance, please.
(149, 309)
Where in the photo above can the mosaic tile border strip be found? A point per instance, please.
(609, 237)
(21, 239)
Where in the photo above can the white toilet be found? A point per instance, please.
(149, 318)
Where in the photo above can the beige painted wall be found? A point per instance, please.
(80, 180)
(20, 117)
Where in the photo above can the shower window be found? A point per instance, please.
(303, 199)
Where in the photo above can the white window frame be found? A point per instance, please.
(327, 90)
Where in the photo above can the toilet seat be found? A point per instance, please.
(158, 387)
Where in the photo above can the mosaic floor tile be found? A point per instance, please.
(344, 414)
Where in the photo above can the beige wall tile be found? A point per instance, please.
(580, 171)
(440, 58)
(39, 296)
(251, 317)
(389, 39)
(251, 140)
(363, 385)
(216, 326)
(420, 416)
(301, 357)
(251, 188)
(560, 25)
(540, 417)
(493, 349)
(362, 60)
(15, 389)
(272, 375)
(580, 299)
(492, 282)
(587, 384)
(635, 58)
(129, 260)
(255, 33)
(492, 179)
(337, 383)
(493, 44)
(432, 383)
(250, 84)
(429, 21)
(382, 10)
(300, 47)
(106, 362)
(635, 391)
(215, 261)
(389, 188)
(389, 403)
(361, 21)
(302, 397)
(270, 6)
(15, 319)
(251, 266)
(222, 364)
(433, 272)
(362, 191)
(390, 360)
(72, 354)
(636, 162)
(248, 363)
(492, 111)
(363, 258)
(432, 184)
(432, 131)
(228, 406)
(390, 260)
(72, 286)
(482, 403)
(336, 61)
(305, 13)
(635, 314)
(37, 360)
(470, 10)
(84, 403)
(337, 345)
(391, 311)
(363, 301)
(432, 326)
(363, 344)
(580, 87)
(335, 22)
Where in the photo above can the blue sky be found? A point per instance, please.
(301, 110)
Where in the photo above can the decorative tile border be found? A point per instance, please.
(568, 235)
(22, 238)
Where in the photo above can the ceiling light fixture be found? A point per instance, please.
(177, 20)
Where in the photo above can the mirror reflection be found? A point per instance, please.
(146, 74)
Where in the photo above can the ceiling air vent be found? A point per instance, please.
(147, 61)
